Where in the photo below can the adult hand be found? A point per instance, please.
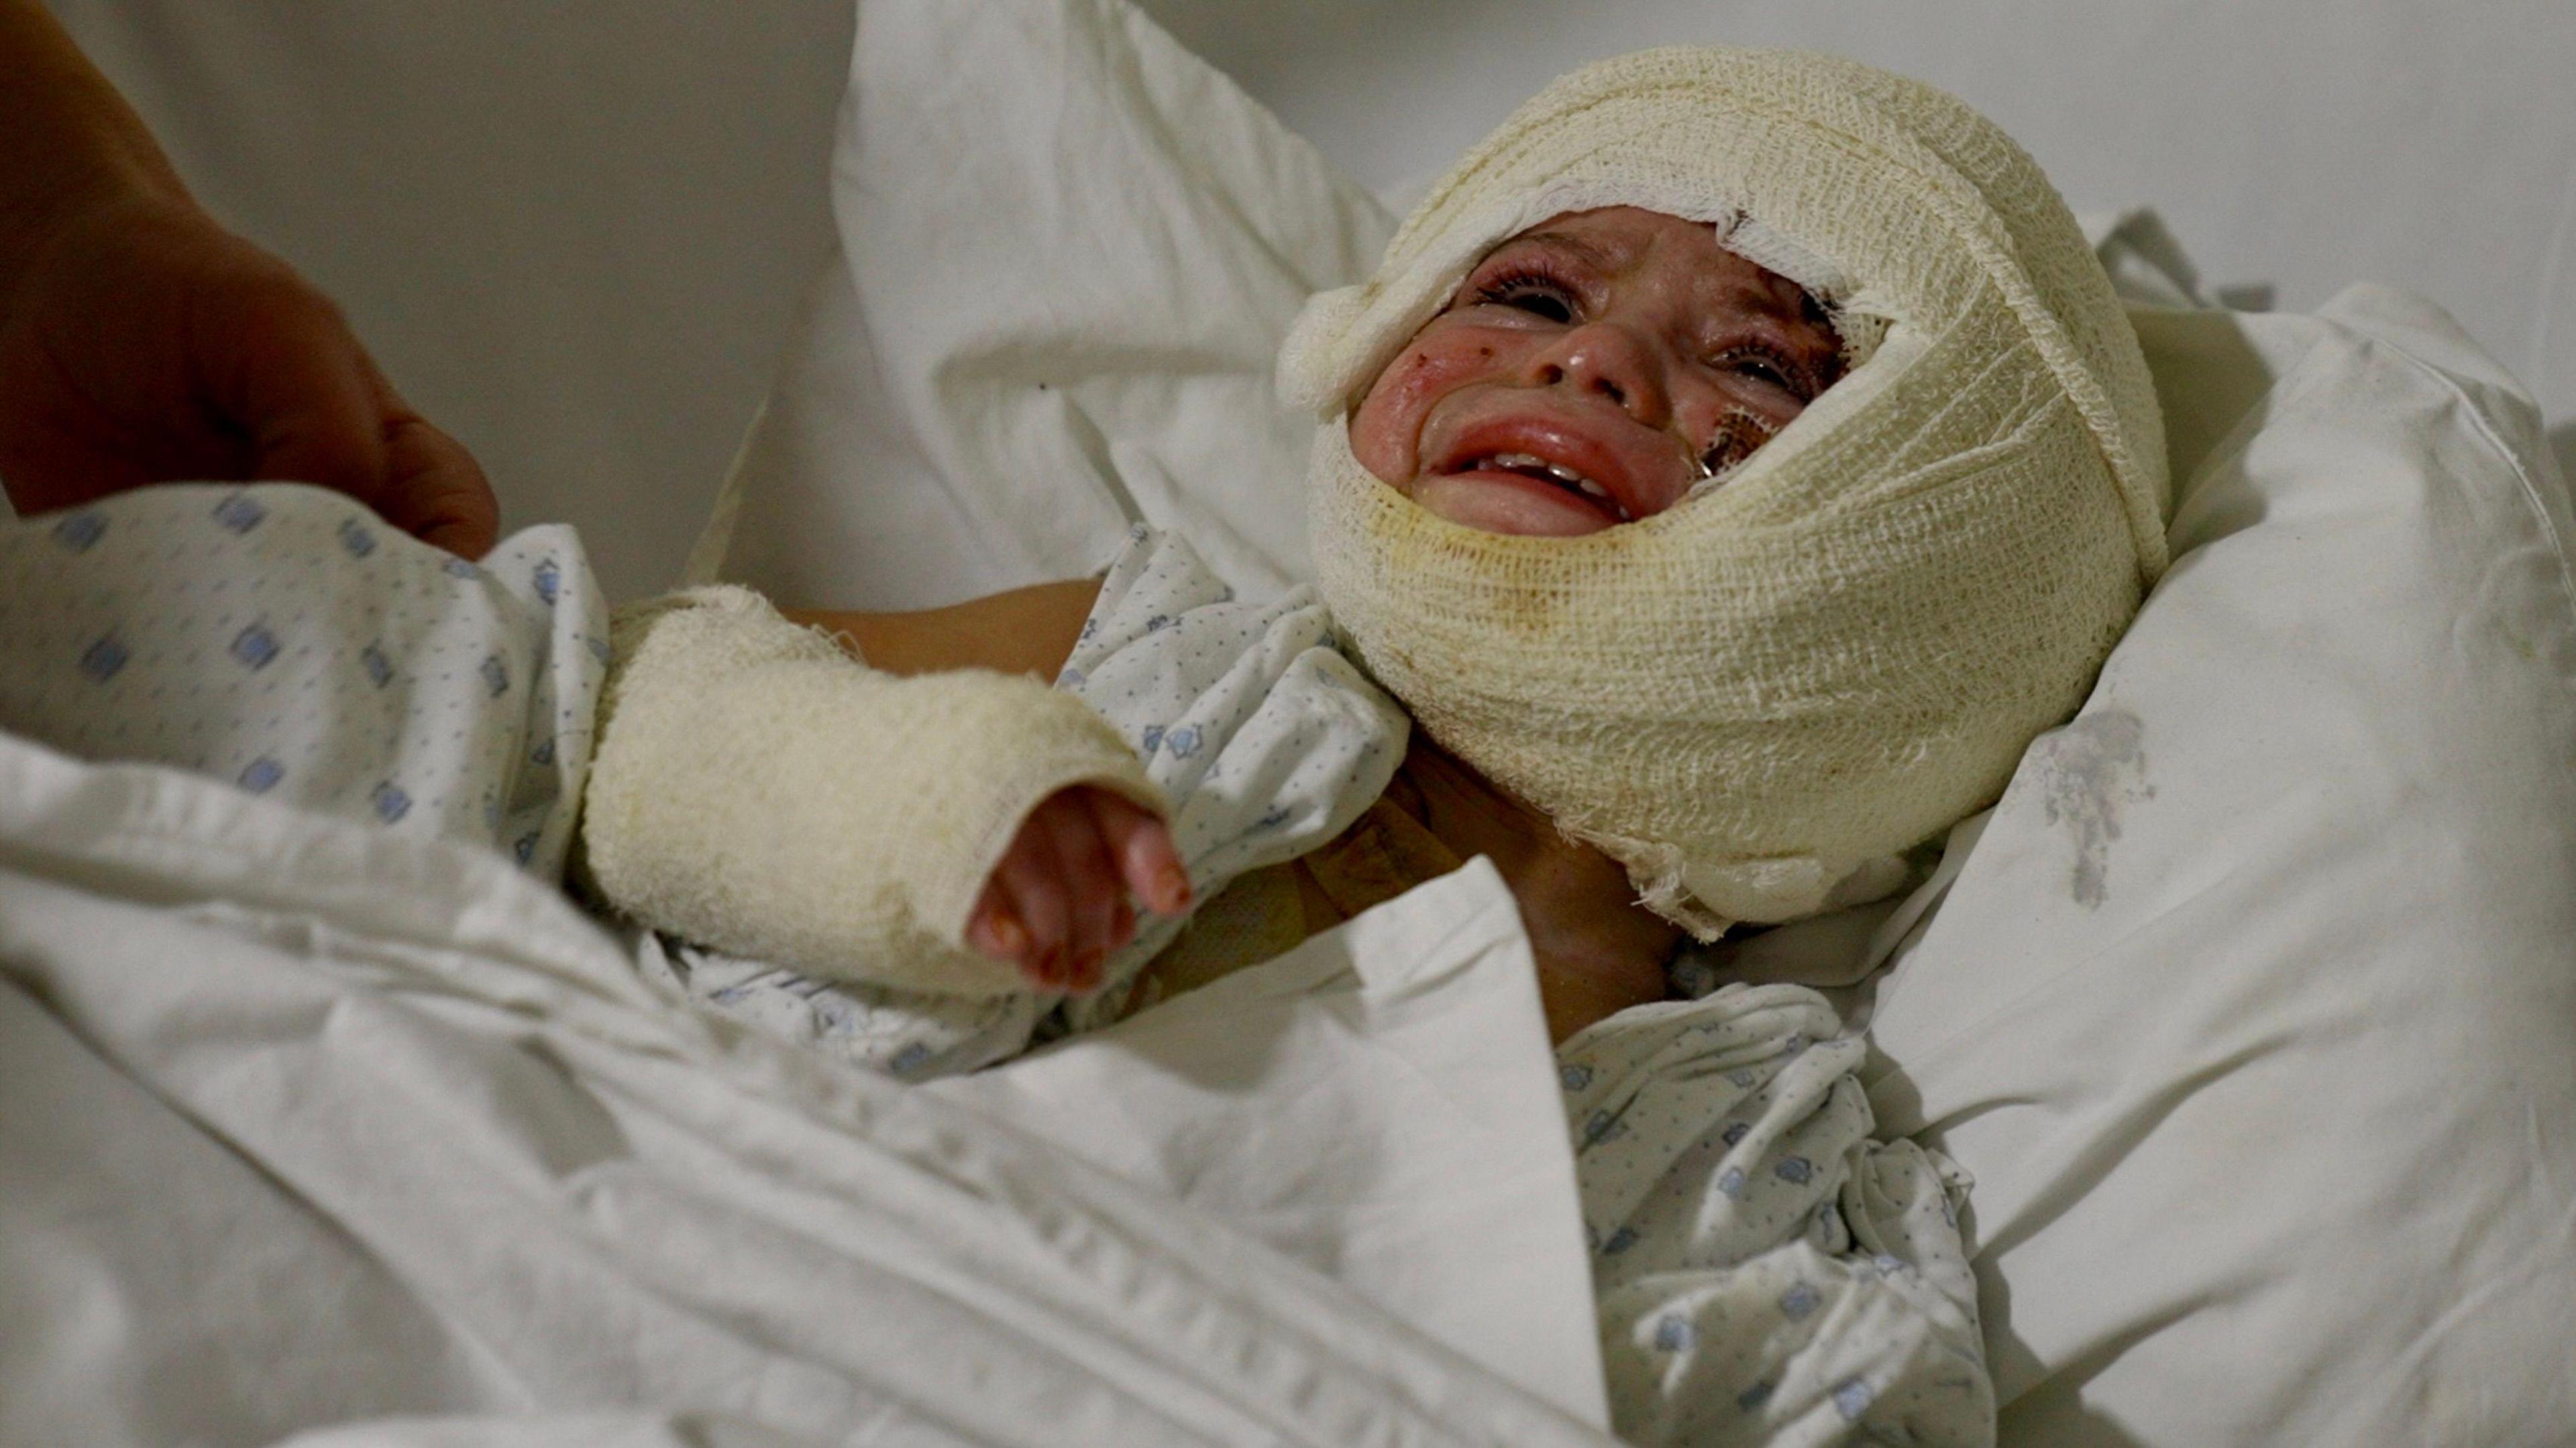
(140, 342)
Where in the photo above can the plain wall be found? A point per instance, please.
(575, 233)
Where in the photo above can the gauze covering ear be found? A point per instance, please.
(1757, 698)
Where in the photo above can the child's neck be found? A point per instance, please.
(1598, 951)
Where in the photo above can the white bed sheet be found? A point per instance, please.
(310, 1123)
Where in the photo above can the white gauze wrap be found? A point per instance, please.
(757, 790)
(1757, 698)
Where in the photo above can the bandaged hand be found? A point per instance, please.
(1060, 900)
(758, 789)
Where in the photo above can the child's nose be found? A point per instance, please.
(1607, 359)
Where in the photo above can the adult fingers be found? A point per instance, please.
(1091, 884)
(1141, 845)
(283, 366)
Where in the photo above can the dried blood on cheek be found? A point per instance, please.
(1387, 430)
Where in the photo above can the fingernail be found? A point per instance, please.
(1008, 933)
(1086, 970)
(1173, 884)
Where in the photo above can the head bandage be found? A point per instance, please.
(1757, 697)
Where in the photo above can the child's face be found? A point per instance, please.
(1589, 371)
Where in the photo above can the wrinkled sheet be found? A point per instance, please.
(310, 1123)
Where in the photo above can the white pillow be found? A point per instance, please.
(2253, 1009)
(1069, 251)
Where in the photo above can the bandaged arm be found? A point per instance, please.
(759, 790)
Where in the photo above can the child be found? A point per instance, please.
(1749, 683)
(1731, 467)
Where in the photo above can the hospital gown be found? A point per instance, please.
(1766, 1273)
(285, 638)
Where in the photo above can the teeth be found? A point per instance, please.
(1520, 462)
(1517, 462)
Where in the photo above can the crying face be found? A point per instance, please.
(1590, 371)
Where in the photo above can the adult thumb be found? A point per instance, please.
(434, 489)
(288, 374)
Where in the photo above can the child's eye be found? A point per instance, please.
(1755, 367)
(1540, 296)
(1762, 366)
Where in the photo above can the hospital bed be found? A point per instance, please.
(2251, 1006)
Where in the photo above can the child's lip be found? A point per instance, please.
(1497, 501)
(1613, 477)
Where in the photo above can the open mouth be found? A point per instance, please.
(1556, 475)
(1511, 467)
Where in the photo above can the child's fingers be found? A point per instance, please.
(994, 929)
(1032, 882)
(1122, 923)
(1091, 887)
(1057, 902)
(1141, 844)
